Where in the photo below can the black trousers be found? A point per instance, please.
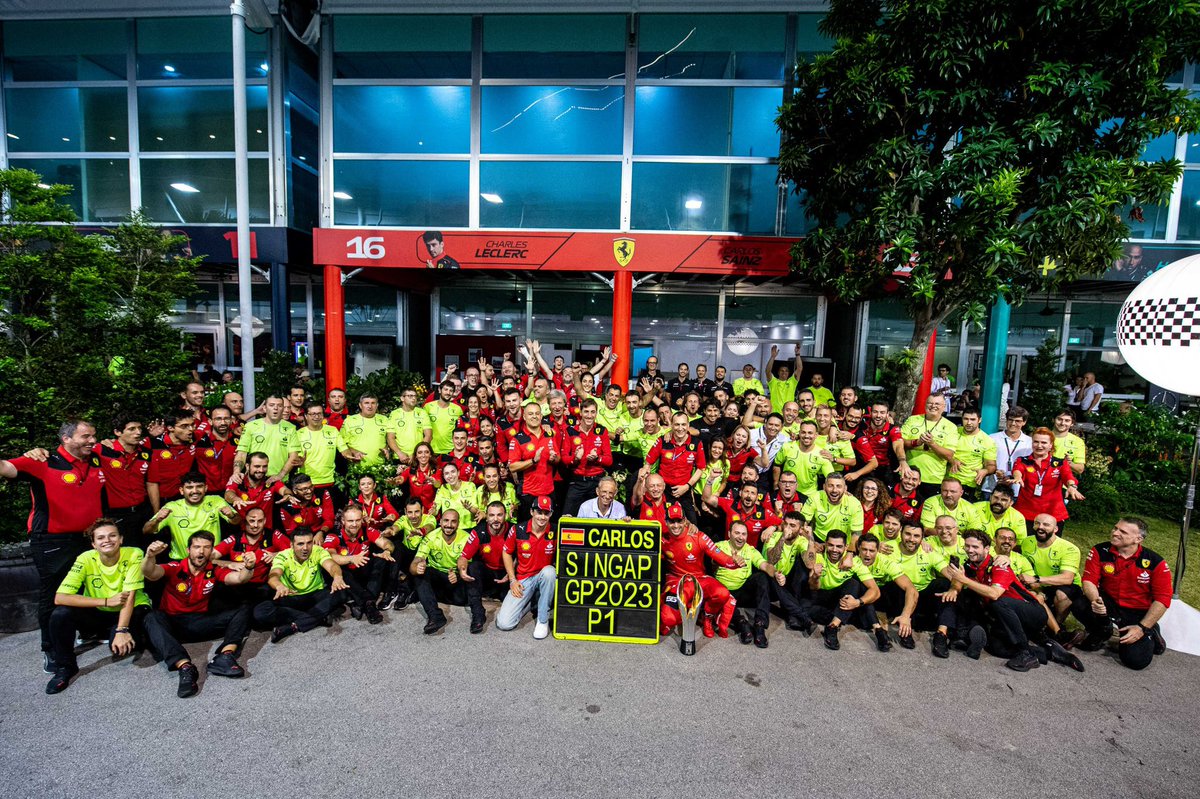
(579, 491)
(484, 585)
(1137, 655)
(789, 595)
(434, 586)
(53, 555)
(1014, 623)
(931, 612)
(631, 464)
(755, 594)
(306, 611)
(66, 622)
(825, 603)
(130, 520)
(166, 631)
(927, 490)
(365, 582)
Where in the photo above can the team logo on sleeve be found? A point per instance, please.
(181, 588)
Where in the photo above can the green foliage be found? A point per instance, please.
(277, 377)
(1042, 390)
(384, 474)
(972, 140)
(387, 384)
(892, 372)
(86, 317)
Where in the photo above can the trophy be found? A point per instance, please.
(689, 612)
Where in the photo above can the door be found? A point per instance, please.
(1016, 369)
(206, 347)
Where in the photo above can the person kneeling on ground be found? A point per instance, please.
(301, 600)
(101, 595)
(365, 569)
(435, 569)
(838, 588)
(748, 583)
(532, 575)
(885, 572)
(481, 564)
(183, 612)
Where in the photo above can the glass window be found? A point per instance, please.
(679, 315)
(188, 190)
(305, 189)
(798, 223)
(889, 331)
(1093, 324)
(299, 308)
(1191, 153)
(573, 315)
(198, 118)
(200, 308)
(432, 193)
(370, 310)
(302, 133)
(550, 194)
(809, 40)
(1110, 368)
(195, 47)
(542, 46)
(558, 120)
(1189, 207)
(729, 46)
(706, 120)
(465, 308)
(1153, 224)
(1029, 324)
(65, 50)
(729, 197)
(411, 46)
(260, 308)
(101, 185)
(401, 119)
(757, 321)
(66, 120)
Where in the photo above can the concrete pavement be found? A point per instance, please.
(385, 711)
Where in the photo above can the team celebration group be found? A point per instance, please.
(212, 522)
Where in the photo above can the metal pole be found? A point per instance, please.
(1188, 504)
(237, 11)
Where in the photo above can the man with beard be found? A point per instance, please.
(837, 591)
(435, 570)
(929, 441)
(930, 574)
(335, 408)
(253, 488)
(834, 509)
(974, 458)
(301, 600)
(195, 511)
(308, 509)
(481, 564)
(997, 511)
(216, 450)
(363, 569)
(748, 583)
(759, 519)
(271, 435)
(1055, 563)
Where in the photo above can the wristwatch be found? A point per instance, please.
(1145, 630)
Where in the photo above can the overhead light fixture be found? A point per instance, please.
(693, 204)
(13, 136)
(43, 185)
(159, 138)
(492, 198)
(186, 188)
(212, 135)
(302, 158)
(341, 195)
(112, 138)
(168, 68)
(265, 67)
(64, 138)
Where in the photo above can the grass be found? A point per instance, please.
(1163, 538)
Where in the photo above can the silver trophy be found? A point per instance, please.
(689, 612)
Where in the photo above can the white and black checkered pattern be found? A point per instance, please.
(1163, 322)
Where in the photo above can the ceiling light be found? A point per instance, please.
(258, 130)
(302, 158)
(492, 198)
(212, 135)
(43, 185)
(159, 138)
(693, 204)
(265, 67)
(64, 138)
(186, 188)
(112, 138)
(13, 136)
(168, 68)
(341, 195)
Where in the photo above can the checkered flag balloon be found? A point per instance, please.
(1158, 329)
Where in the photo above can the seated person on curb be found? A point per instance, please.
(363, 569)
(837, 589)
(929, 573)
(748, 584)
(101, 595)
(183, 613)
(193, 512)
(1055, 562)
(1016, 619)
(412, 527)
(435, 570)
(685, 548)
(885, 573)
(1128, 585)
(301, 600)
(946, 540)
(481, 564)
(529, 564)
(1004, 546)
(784, 549)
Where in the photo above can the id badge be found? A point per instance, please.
(1037, 490)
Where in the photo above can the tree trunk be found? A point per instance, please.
(906, 390)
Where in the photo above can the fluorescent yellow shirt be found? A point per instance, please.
(1072, 448)
(366, 434)
(409, 428)
(931, 465)
(964, 513)
(972, 451)
(319, 448)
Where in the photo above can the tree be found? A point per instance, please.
(955, 151)
(1042, 389)
(85, 320)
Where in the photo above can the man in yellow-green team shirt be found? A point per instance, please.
(1056, 562)
(363, 437)
(836, 591)
(271, 435)
(410, 426)
(803, 459)
(929, 443)
(950, 502)
(301, 601)
(318, 442)
(997, 511)
(1067, 445)
(443, 415)
(748, 584)
(974, 456)
(783, 387)
(834, 508)
(193, 512)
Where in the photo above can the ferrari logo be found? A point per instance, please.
(623, 250)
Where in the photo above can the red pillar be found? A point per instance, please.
(621, 318)
(335, 329)
(926, 376)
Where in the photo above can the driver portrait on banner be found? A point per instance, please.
(435, 245)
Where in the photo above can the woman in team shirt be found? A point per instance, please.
(421, 476)
(378, 511)
(457, 495)
(739, 452)
(873, 495)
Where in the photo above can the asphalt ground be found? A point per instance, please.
(361, 711)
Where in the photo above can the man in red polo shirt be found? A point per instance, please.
(191, 403)
(216, 449)
(124, 464)
(509, 422)
(65, 488)
(335, 410)
(252, 539)
(760, 520)
(481, 565)
(1126, 584)
(906, 496)
(533, 455)
(685, 549)
(183, 613)
(529, 564)
(470, 467)
(587, 452)
(883, 440)
(680, 461)
(172, 455)
(250, 489)
(307, 508)
(363, 568)
(650, 496)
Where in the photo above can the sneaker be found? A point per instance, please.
(907, 642)
(403, 598)
(1023, 661)
(1094, 642)
(356, 612)
(976, 641)
(708, 626)
(940, 645)
(882, 642)
(1160, 643)
(831, 638)
(1057, 653)
(1070, 638)
(48, 664)
(760, 636)
(434, 624)
(541, 630)
(743, 630)
(477, 624)
(282, 631)
(188, 676)
(372, 613)
(386, 600)
(61, 679)
(226, 665)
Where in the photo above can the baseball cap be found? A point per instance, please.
(544, 504)
(675, 512)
